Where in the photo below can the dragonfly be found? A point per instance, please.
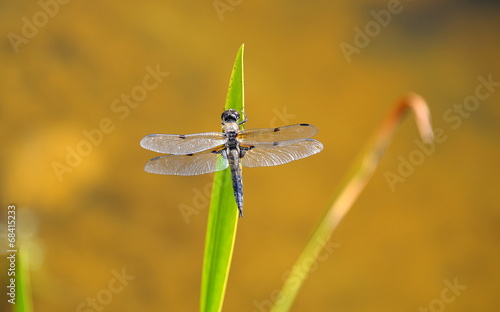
(200, 153)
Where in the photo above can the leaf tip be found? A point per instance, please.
(422, 116)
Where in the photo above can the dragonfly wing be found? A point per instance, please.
(190, 164)
(260, 154)
(286, 133)
(182, 144)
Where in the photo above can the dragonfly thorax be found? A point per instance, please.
(232, 142)
(231, 127)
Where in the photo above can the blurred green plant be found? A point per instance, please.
(351, 187)
(223, 214)
(24, 301)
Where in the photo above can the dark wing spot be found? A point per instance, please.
(182, 136)
(189, 154)
(219, 149)
(276, 129)
(246, 147)
(305, 125)
(275, 143)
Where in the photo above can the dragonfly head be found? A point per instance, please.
(230, 115)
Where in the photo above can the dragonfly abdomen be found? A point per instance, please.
(235, 166)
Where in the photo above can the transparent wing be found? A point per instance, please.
(293, 132)
(190, 164)
(276, 153)
(182, 144)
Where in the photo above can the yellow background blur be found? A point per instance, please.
(99, 213)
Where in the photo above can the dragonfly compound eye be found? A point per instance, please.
(230, 115)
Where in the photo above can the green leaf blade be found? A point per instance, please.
(24, 301)
(223, 214)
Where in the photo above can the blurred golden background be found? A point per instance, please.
(83, 82)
